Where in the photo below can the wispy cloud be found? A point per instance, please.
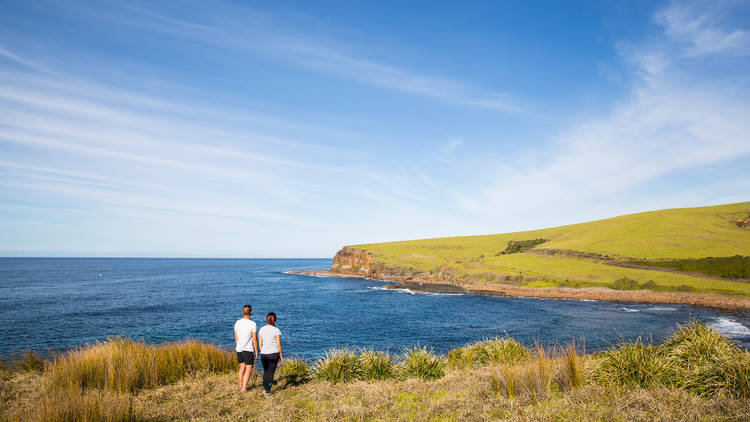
(700, 28)
(261, 33)
(676, 118)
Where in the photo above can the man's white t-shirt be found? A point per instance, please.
(269, 333)
(244, 329)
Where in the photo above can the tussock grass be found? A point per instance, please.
(377, 365)
(573, 374)
(124, 365)
(339, 365)
(496, 350)
(531, 380)
(539, 376)
(634, 364)
(295, 370)
(422, 362)
(695, 358)
(702, 360)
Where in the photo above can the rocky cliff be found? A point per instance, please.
(357, 262)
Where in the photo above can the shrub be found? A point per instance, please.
(127, 366)
(377, 365)
(737, 266)
(624, 284)
(295, 370)
(515, 246)
(650, 285)
(339, 365)
(421, 362)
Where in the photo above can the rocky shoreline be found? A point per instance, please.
(707, 300)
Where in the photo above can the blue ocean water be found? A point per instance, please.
(58, 303)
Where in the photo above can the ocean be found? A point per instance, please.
(53, 304)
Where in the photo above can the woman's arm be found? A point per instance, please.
(278, 345)
(261, 342)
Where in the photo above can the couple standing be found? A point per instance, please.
(246, 345)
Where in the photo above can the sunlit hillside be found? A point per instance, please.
(592, 254)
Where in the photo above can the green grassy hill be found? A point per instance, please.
(584, 253)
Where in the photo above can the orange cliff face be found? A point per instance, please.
(356, 262)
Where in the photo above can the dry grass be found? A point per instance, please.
(80, 406)
(124, 365)
(543, 385)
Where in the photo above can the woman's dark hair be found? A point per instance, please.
(271, 318)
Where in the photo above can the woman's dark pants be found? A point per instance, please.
(269, 362)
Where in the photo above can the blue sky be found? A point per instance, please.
(289, 129)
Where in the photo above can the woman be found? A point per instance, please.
(270, 350)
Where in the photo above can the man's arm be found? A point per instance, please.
(235, 338)
(255, 344)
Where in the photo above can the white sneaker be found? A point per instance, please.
(266, 393)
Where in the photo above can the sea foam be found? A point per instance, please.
(412, 292)
(730, 327)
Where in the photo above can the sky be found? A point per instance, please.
(290, 129)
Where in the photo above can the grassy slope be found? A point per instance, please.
(676, 233)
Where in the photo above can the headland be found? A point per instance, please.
(694, 256)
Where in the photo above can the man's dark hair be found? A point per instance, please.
(247, 310)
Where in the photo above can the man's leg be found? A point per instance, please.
(240, 377)
(246, 377)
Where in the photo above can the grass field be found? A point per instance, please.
(687, 233)
(696, 375)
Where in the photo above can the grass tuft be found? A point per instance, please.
(295, 370)
(496, 350)
(422, 362)
(124, 365)
(705, 362)
(696, 358)
(574, 373)
(30, 362)
(339, 365)
(631, 364)
(377, 365)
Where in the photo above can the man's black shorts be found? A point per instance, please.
(248, 358)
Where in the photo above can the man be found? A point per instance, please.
(246, 345)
